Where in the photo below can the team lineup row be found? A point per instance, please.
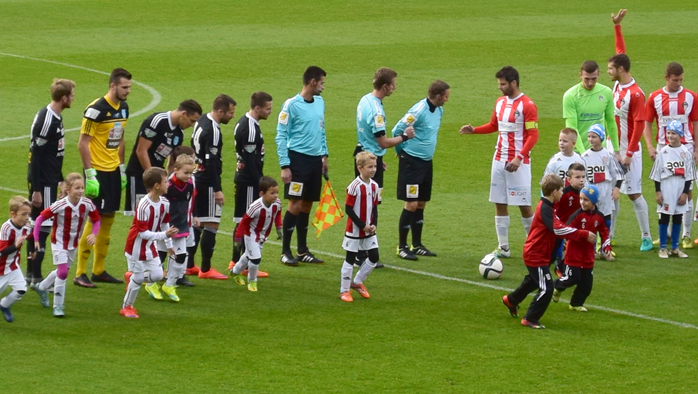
(302, 151)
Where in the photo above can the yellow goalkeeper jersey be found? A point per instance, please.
(105, 122)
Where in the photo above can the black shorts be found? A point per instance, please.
(379, 167)
(414, 178)
(306, 177)
(205, 207)
(109, 198)
(245, 194)
(135, 190)
(49, 194)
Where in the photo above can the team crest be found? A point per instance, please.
(596, 223)
(123, 113)
(176, 140)
(600, 98)
(685, 105)
(517, 113)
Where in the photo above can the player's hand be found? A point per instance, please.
(409, 132)
(91, 239)
(286, 175)
(653, 152)
(220, 198)
(385, 166)
(591, 238)
(171, 232)
(324, 164)
(36, 246)
(695, 157)
(171, 251)
(615, 194)
(617, 19)
(625, 161)
(513, 165)
(372, 229)
(682, 199)
(122, 169)
(467, 129)
(237, 244)
(195, 222)
(660, 198)
(20, 241)
(608, 256)
(279, 233)
(37, 201)
(92, 184)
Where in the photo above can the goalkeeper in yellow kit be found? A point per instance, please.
(101, 149)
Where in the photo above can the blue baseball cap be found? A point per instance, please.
(592, 192)
(598, 130)
(676, 127)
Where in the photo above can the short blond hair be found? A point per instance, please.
(569, 131)
(17, 202)
(550, 183)
(363, 157)
(184, 160)
(61, 87)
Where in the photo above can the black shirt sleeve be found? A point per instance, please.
(349, 209)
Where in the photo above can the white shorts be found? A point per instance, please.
(357, 244)
(632, 184)
(15, 280)
(253, 249)
(178, 244)
(605, 204)
(671, 191)
(142, 266)
(510, 188)
(62, 256)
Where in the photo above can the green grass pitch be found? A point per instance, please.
(445, 333)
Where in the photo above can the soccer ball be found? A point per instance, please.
(491, 267)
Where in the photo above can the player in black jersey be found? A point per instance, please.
(45, 171)
(207, 142)
(249, 149)
(159, 135)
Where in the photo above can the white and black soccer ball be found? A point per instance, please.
(491, 267)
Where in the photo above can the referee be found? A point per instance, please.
(371, 133)
(415, 171)
(301, 145)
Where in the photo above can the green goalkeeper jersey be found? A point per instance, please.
(583, 108)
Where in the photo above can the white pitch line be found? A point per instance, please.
(500, 288)
(153, 103)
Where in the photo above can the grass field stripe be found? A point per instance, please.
(152, 104)
(13, 190)
(495, 287)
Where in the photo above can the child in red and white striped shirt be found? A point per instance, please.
(151, 222)
(69, 217)
(13, 233)
(360, 234)
(254, 229)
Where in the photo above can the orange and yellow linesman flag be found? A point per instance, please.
(328, 211)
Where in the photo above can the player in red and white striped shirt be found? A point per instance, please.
(360, 234)
(13, 233)
(629, 108)
(69, 218)
(151, 223)
(254, 230)
(674, 102)
(515, 117)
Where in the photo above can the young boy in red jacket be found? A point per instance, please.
(580, 255)
(539, 253)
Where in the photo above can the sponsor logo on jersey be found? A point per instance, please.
(214, 151)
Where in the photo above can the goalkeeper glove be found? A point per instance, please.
(122, 168)
(92, 184)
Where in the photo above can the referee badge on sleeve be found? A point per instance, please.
(412, 191)
(295, 189)
(283, 117)
(380, 121)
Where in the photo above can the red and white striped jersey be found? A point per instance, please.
(69, 220)
(629, 108)
(9, 233)
(151, 220)
(517, 122)
(363, 198)
(667, 106)
(257, 221)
